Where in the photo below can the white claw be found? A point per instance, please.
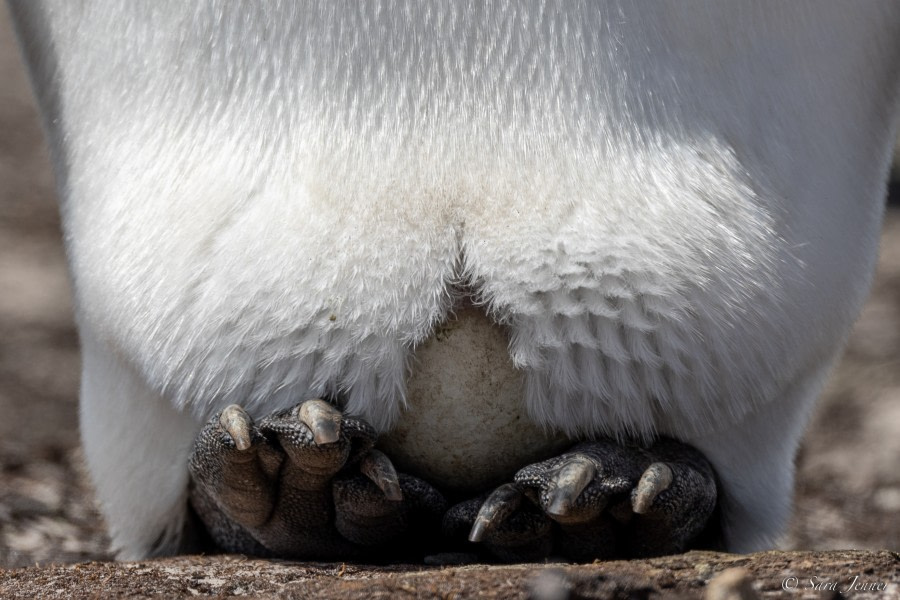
(655, 480)
(571, 479)
(378, 467)
(237, 423)
(323, 420)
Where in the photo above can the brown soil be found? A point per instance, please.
(874, 575)
(848, 490)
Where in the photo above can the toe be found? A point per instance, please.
(227, 440)
(673, 501)
(317, 437)
(564, 486)
(576, 487)
(226, 470)
(380, 470)
(235, 421)
(655, 480)
(511, 527)
(363, 514)
(322, 419)
(496, 508)
(367, 516)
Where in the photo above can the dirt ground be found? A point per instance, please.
(693, 575)
(848, 490)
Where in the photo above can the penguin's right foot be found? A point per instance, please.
(305, 483)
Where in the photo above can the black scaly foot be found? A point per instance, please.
(305, 483)
(599, 500)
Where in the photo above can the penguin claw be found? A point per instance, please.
(237, 423)
(568, 483)
(655, 480)
(502, 502)
(379, 469)
(323, 420)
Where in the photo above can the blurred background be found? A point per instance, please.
(848, 491)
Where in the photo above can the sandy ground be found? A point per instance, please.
(848, 491)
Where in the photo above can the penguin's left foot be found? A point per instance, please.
(306, 483)
(600, 500)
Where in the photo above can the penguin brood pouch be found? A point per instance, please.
(527, 279)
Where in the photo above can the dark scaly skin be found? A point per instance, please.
(599, 522)
(286, 495)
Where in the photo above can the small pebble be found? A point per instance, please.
(704, 570)
(731, 584)
(550, 584)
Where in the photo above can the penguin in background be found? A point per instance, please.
(559, 279)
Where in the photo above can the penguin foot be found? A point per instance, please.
(599, 500)
(305, 483)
